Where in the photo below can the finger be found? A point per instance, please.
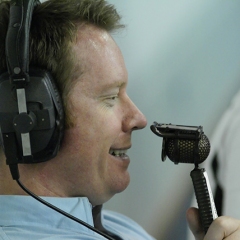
(194, 223)
(224, 228)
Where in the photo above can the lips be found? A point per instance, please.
(118, 153)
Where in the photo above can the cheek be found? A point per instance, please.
(95, 126)
(91, 138)
(99, 126)
(80, 151)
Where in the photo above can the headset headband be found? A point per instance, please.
(17, 40)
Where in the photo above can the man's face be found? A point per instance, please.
(95, 149)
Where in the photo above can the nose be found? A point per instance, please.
(133, 119)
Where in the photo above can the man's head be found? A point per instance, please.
(92, 161)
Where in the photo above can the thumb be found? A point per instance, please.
(194, 223)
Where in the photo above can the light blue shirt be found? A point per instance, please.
(24, 218)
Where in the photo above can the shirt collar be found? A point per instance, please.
(15, 209)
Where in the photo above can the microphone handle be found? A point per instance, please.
(204, 197)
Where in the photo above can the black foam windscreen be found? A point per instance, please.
(181, 143)
(187, 150)
(31, 111)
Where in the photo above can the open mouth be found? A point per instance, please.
(118, 153)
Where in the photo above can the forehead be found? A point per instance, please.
(98, 59)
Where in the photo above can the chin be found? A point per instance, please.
(117, 185)
(121, 184)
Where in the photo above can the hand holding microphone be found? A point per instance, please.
(188, 144)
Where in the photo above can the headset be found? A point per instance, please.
(31, 109)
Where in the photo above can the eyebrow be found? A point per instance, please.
(118, 84)
(112, 88)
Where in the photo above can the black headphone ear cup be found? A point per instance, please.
(58, 129)
(52, 136)
(45, 109)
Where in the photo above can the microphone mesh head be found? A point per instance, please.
(183, 150)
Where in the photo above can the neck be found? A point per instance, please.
(8, 186)
(31, 177)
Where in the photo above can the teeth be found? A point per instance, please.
(117, 153)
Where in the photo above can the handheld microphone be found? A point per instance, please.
(182, 144)
(189, 144)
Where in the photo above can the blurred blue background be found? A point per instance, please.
(183, 59)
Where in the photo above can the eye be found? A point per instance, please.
(111, 100)
(113, 97)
